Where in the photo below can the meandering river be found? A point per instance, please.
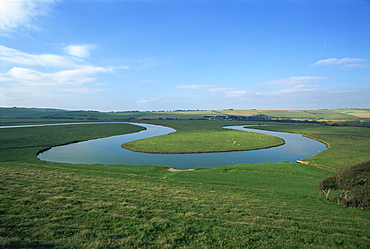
(108, 151)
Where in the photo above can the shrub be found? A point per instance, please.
(355, 176)
(353, 183)
(328, 184)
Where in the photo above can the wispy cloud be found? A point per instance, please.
(19, 57)
(294, 84)
(235, 93)
(280, 87)
(295, 81)
(220, 89)
(231, 92)
(195, 86)
(82, 51)
(15, 14)
(343, 63)
(76, 76)
(149, 100)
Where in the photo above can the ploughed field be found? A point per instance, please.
(270, 205)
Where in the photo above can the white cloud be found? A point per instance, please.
(19, 57)
(29, 87)
(84, 90)
(343, 62)
(17, 13)
(82, 51)
(295, 81)
(236, 93)
(76, 76)
(354, 66)
(195, 86)
(46, 79)
(230, 92)
(220, 89)
(294, 85)
(149, 100)
(291, 85)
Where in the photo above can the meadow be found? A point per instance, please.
(270, 205)
(203, 137)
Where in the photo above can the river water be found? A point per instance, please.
(108, 151)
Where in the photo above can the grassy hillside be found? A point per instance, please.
(271, 205)
(255, 206)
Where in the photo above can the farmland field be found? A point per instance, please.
(55, 115)
(270, 205)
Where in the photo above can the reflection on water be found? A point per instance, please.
(109, 151)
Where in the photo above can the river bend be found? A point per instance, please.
(109, 151)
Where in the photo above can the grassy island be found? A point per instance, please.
(192, 140)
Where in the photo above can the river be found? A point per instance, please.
(108, 151)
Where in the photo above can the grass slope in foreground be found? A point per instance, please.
(271, 205)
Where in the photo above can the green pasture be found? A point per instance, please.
(208, 139)
(365, 110)
(348, 145)
(22, 144)
(270, 205)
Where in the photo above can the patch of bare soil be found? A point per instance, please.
(175, 170)
(360, 115)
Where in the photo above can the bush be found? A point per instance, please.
(328, 184)
(354, 176)
(353, 183)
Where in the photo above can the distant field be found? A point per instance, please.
(308, 114)
(361, 113)
(53, 115)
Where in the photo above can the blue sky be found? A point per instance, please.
(198, 54)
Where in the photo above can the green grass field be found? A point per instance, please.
(348, 145)
(204, 138)
(270, 205)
